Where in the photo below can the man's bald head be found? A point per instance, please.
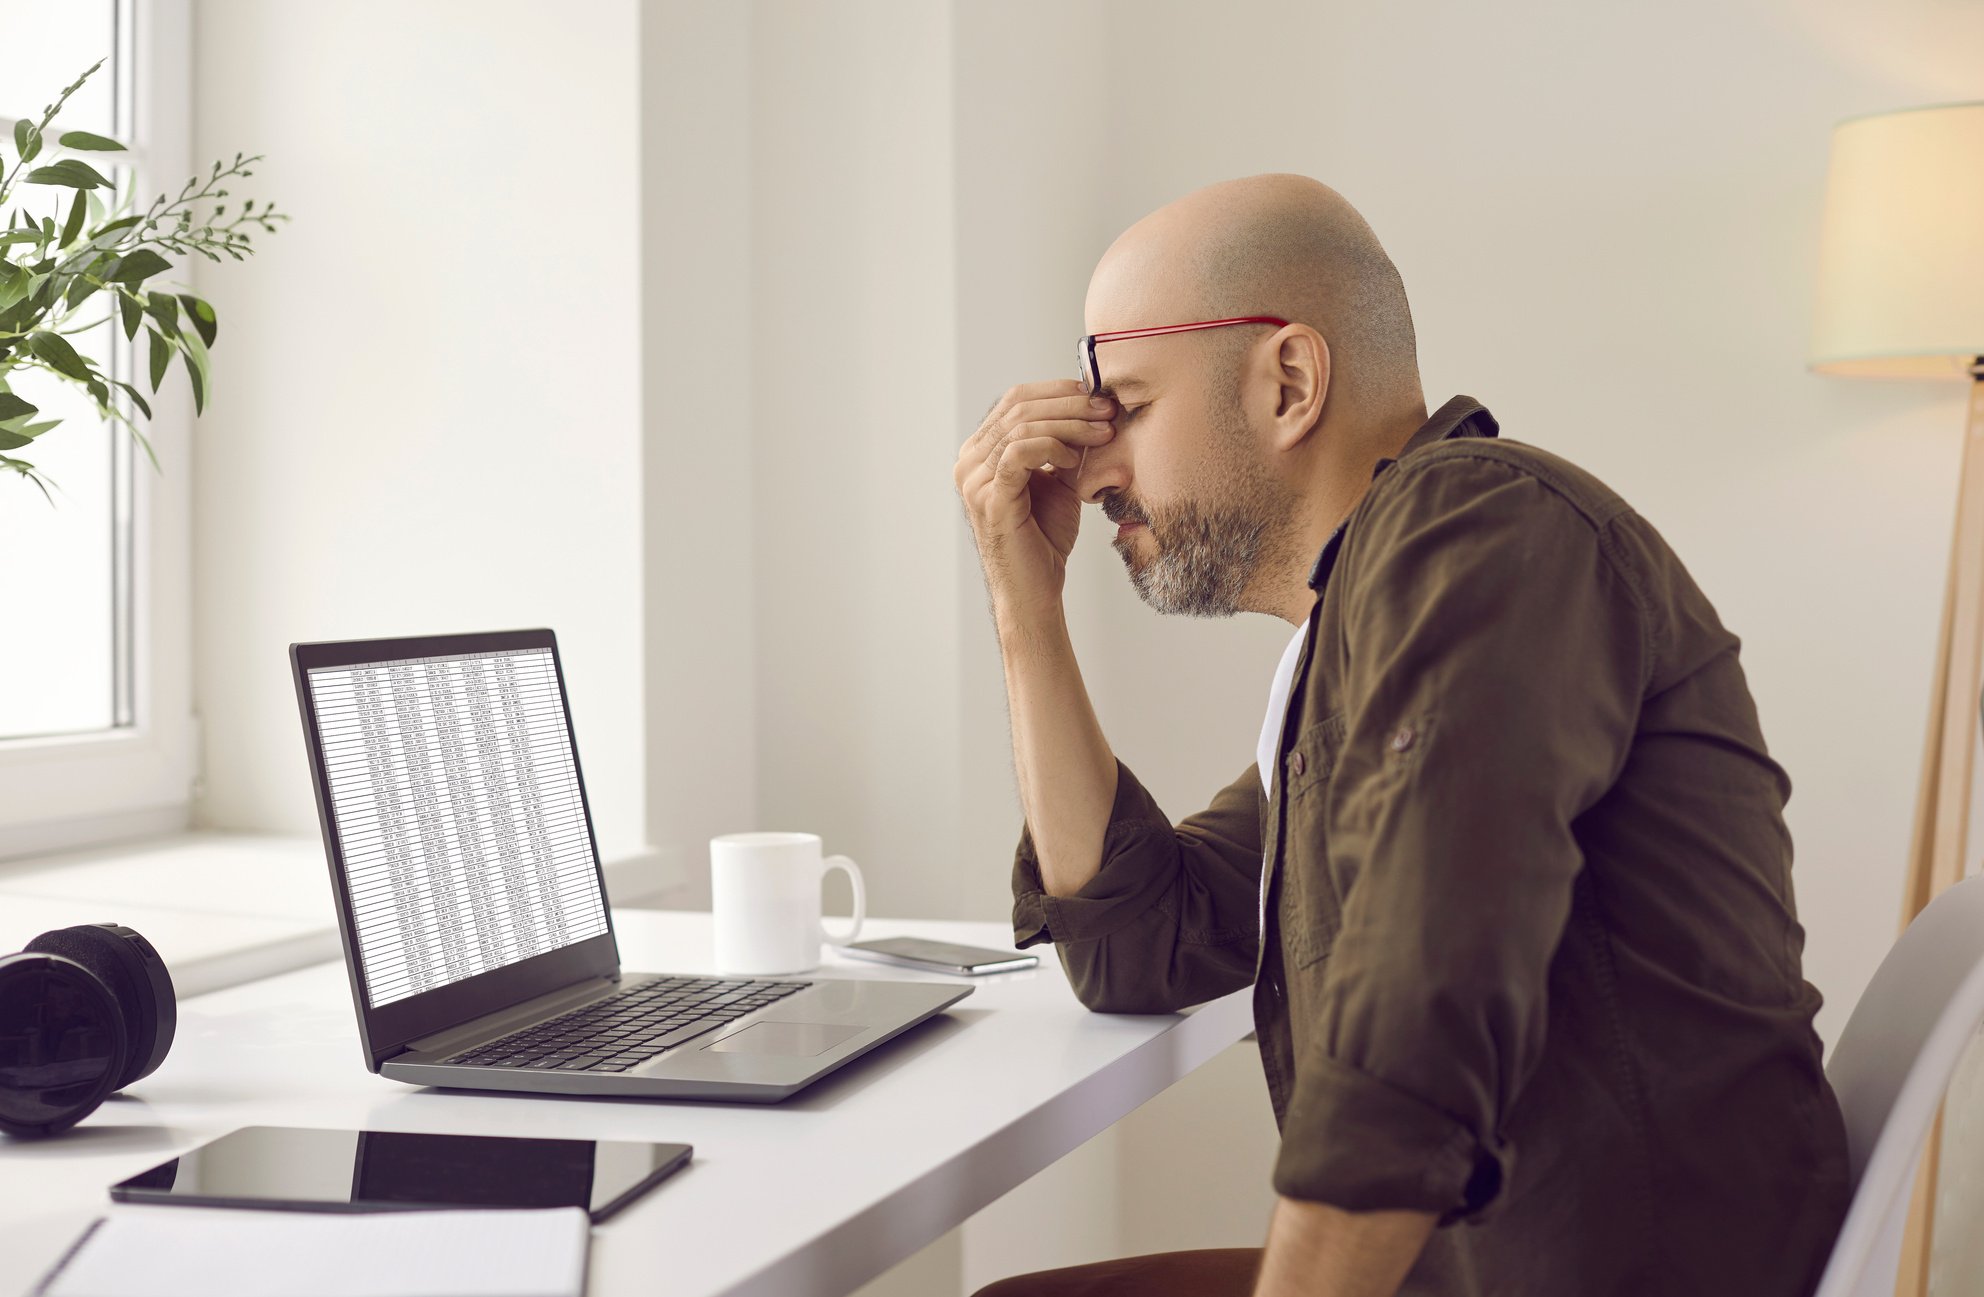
(1282, 245)
(1239, 449)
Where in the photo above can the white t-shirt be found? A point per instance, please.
(1270, 746)
(1284, 681)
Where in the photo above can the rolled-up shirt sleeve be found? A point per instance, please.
(1497, 657)
(1171, 918)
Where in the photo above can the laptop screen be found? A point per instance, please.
(456, 799)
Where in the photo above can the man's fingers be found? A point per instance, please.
(1062, 407)
(999, 419)
(1051, 387)
(1074, 432)
(1022, 458)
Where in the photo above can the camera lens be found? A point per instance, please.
(61, 1044)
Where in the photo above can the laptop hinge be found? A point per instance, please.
(513, 1018)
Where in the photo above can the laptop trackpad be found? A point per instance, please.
(801, 1039)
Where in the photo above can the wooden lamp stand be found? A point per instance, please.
(1936, 855)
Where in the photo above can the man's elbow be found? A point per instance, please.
(1133, 1004)
(1130, 995)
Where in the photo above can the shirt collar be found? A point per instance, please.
(1463, 416)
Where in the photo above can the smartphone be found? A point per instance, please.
(293, 1169)
(939, 956)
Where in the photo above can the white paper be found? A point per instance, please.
(208, 1252)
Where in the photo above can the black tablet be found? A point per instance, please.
(296, 1169)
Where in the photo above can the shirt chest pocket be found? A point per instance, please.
(1309, 909)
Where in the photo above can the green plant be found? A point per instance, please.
(100, 253)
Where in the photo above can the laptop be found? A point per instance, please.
(473, 909)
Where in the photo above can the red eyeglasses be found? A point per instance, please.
(1085, 349)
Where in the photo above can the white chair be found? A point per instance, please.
(1890, 1068)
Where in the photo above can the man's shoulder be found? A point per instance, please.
(1434, 476)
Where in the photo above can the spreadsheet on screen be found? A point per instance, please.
(457, 808)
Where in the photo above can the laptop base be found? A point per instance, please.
(763, 1057)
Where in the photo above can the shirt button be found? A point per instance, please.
(1404, 738)
(1296, 764)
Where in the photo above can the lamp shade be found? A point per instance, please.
(1901, 249)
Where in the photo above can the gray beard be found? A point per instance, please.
(1205, 558)
(1208, 553)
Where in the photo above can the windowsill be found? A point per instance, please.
(222, 908)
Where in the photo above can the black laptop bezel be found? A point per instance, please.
(385, 1031)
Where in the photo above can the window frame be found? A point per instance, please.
(137, 780)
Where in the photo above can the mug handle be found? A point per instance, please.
(860, 900)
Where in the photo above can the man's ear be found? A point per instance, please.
(1301, 369)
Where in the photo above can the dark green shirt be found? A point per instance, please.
(1531, 958)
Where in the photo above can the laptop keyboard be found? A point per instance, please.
(629, 1027)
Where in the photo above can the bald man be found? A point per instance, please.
(1508, 872)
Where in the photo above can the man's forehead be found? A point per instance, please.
(1143, 310)
(1136, 287)
(1130, 364)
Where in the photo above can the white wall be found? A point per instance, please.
(854, 328)
(697, 349)
(426, 413)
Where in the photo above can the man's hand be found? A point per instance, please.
(1010, 475)
(1316, 1250)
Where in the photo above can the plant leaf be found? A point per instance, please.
(77, 211)
(111, 227)
(161, 356)
(197, 374)
(15, 438)
(132, 313)
(14, 282)
(73, 173)
(136, 399)
(20, 236)
(80, 287)
(203, 317)
(27, 139)
(195, 353)
(85, 140)
(163, 308)
(13, 407)
(139, 265)
(55, 349)
(145, 443)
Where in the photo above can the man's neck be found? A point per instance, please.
(1340, 480)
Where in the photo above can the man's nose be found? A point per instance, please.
(1101, 470)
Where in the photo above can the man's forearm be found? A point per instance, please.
(1066, 771)
(1316, 1250)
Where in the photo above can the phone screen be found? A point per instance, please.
(357, 1170)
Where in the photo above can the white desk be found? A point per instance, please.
(809, 1198)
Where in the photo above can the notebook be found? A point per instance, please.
(205, 1252)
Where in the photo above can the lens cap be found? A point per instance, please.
(61, 1044)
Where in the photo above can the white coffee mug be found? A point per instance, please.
(765, 895)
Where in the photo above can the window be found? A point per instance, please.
(95, 725)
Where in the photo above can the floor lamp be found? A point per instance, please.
(1901, 295)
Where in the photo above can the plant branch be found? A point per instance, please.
(41, 127)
